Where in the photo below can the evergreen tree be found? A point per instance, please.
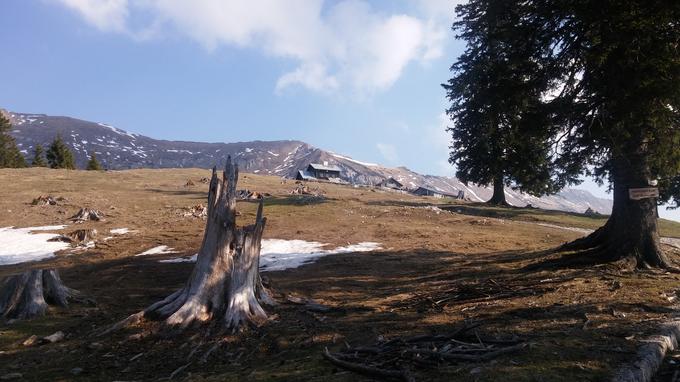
(615, 71)
(38, 157)
(10, 156)
(59, 155)
(93, 163)
(493, 92)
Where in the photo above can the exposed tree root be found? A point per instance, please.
(618, 250)
(28, 294)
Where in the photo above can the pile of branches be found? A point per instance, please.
(464, 293)
(197, 211)
(301, 189)
(397, 358)
(246, 194)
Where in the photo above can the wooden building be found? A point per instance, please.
(316, 171)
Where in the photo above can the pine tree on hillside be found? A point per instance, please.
(10, 156)
(93, 163)
(59, 155)
(38, 157)
(492, 95)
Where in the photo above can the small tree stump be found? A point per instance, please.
(28, 294)
(85, 214)
(225, 280)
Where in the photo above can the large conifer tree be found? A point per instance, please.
(493, 92)
(617, 84)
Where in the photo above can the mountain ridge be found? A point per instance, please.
(119, 149)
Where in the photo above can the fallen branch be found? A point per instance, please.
(367, 370)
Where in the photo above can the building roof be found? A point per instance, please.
(322, 167)
(304, 175)
(391, 180)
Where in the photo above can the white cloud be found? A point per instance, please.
(333, 45)
(388, 151)
(106, 15)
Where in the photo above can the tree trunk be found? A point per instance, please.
(630, 235)
(27, 295)
(225, 279)
(498, 197)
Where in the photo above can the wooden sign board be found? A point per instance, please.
(643, 193)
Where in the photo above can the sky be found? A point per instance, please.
(360, 78)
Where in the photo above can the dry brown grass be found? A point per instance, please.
(580, 322)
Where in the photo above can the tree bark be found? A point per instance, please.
(630, 236)
(498, 197)
(27, 295)
(225, 279)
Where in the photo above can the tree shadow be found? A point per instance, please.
(512, 212)
(372, 296)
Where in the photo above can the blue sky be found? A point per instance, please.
(355, 77)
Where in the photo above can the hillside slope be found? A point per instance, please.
(118, 149)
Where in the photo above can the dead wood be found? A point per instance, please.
(225, 280)
(197, 211)
(386, 359)
(650, 355)
(367, 370)
(28, 294)
(46, 200)
(85, 214)
(77, 237)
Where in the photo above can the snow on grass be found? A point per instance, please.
(20, 245)
(159, 250)
(278, 254)
(120, 231)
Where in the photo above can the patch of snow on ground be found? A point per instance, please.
(120, 231)
(278, 254)
(161, 249)
(19, 245)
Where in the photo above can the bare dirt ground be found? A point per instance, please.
(437, 270)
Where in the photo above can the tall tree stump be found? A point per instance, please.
(225, 280)
(28, 294)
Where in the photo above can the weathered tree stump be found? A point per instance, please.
(225, 280)
(85, 214)
(28, 294)
(77, 237)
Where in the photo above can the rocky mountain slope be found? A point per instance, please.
(118, 149)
